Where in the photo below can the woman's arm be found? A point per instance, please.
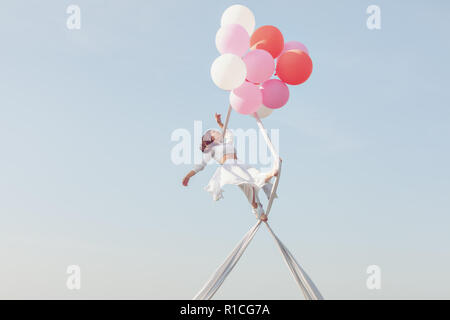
(197, 168)
(187, 177)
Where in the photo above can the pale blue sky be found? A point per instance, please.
(86, 177)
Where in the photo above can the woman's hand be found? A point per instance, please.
(218, 117)
(186, 181)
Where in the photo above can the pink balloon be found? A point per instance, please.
(260, 65)
(246, 99)
(232, 38)
(275, 93)
(295, 45)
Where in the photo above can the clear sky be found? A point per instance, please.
(86, 176)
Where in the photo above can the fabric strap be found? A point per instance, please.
(226, 120)
(219, 276)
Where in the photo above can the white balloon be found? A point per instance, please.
(263, 111)
(241, 15)
(228, 71)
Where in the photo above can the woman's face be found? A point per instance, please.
(216, 135)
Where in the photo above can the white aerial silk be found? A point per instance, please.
(308, 288)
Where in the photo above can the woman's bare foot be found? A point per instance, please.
(272, 174)
(275, 173)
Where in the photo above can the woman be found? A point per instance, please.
(250, 180)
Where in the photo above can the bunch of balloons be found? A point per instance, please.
(249, 59)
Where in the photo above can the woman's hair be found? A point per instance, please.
(207, 140)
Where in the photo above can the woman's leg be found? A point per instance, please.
(253, 199)
(251, 195)
(260, 212)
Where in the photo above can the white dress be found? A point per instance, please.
(231, 171)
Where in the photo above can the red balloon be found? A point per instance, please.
(267, 38)
(294, 67)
